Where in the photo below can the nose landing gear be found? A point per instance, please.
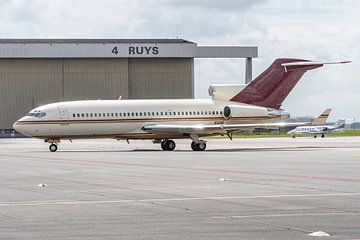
(53, 147)
(53, 144)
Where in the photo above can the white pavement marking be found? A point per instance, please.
(286, 215)
(64, 202)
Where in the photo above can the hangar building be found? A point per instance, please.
(34, 72)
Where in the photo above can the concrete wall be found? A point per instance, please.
(28, 83)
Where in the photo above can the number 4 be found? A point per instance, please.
(115, 50)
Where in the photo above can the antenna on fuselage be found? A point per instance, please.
(119, 97)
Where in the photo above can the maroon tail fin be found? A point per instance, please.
(272, 86)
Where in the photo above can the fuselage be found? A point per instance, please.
(324, 129)
(123, 119)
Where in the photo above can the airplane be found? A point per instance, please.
(232, 108)
(319, 126)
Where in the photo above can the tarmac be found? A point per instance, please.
(275, 188)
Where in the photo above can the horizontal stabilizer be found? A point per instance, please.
(308, 65)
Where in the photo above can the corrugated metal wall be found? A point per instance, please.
(28, 83)
(160, 78)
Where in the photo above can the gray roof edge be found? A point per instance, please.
(91, 40)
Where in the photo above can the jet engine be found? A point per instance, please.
(232, 111)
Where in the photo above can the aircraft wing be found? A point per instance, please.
(214, 128)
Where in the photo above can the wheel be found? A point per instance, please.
(315, 136)
(163, 145)
(293, 136)
(198, 146)
(322, 135)
(53, 147)
(168, 145)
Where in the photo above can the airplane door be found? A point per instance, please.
(64, 115)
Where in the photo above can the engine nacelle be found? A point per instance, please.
(233, 111)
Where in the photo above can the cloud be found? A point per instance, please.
(303, 29)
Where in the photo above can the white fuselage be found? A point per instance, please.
(324, 129)
(123, 119)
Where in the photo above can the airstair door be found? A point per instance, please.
(64, 115)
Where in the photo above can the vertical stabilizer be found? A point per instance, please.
(321, 120)
(272, 86)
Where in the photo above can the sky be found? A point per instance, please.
(321, 30)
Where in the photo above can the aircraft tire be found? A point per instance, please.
(163, 145)
(168, 145)
(198, 146)
(322, 135)
(53, 147)
(315, 136)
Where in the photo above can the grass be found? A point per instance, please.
(346, 133)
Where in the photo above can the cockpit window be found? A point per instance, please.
(37, 114)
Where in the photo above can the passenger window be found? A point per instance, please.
(161, 113)
(82, 115)
(87, 115)
(198, 113)
(174, 113)
(213, 112)
(165, 113)
(221, 113)
(95, 114)
(136, 114)
(217, 112)
(91, 115)
(140, 114)
(73, 114)
(78, 115)
(145, 114)
(190, 113)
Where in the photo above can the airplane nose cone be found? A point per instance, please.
(16, 126)
(20, 128)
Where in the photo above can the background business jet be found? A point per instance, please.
(319, 126)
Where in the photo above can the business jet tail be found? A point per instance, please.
(272, 86)
(321, 120)
(340, 124)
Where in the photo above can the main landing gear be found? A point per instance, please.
(168, 145)
(201, 146)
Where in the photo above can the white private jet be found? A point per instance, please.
(232, 108)
(319, 126)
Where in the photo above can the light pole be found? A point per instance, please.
(354, 124)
